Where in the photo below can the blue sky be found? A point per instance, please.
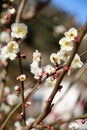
(77, 8)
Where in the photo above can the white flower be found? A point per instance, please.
(18, 126)
(6, 90)
(49, 69)
(12, 56)
(4, 37)
(38, 73)
(36, 70)
(55, 58)
(74, 126)
(76, 63)
(30, 121)
(71, 34)
(34, 67)
(65, 44)
(5, 108)
(37, 56)
(19, 30)
(4, 54)
(59, 29)
(50, 82)
(13, 47)
(22, 77)
(64, 55)
(12, 99)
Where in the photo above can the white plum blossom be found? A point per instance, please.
(18, 126)
(50, 82)
(22, 77)
(59, 29)
(34, 66)
(49, 69)
(13, 47)
(38, 73)
(4, 107)
(66, 44)
(4, 36)
(55, 58)
(64, 55)
(19, 30)
(4, 53)
(37, 56)
(74, 126)
(71, 34)
(76, 63)
(12, 99)
(29, 121)
(12, 56)
(6, 90)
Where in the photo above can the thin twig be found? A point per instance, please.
(60, 121)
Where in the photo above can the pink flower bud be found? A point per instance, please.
(21, 113)
(83, 121)
(28, 103)
(7, 16)
(66, 68)
(23, 56)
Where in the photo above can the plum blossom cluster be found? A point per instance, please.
(9, 51)
(57, 59)
(66, 46)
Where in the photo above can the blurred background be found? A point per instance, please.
(47, 20)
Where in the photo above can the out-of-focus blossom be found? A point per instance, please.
(12, 10)
(6, 90)
(30, 121)
(12, 99)
(76, 63)
(5, 108)
(66, 44)
(71, 34)
(18, 125)
(55, 58)
(13, 47)
(19, 30)
(4, 37)
(4, 54)
(58, 29)
(74, 126)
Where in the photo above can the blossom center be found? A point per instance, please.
(11, 47)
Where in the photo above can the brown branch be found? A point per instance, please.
(13, 111)
(60, 121)
(20, 10)
(34, 88)
(3, 81)
(48, 105)
(38, 8)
